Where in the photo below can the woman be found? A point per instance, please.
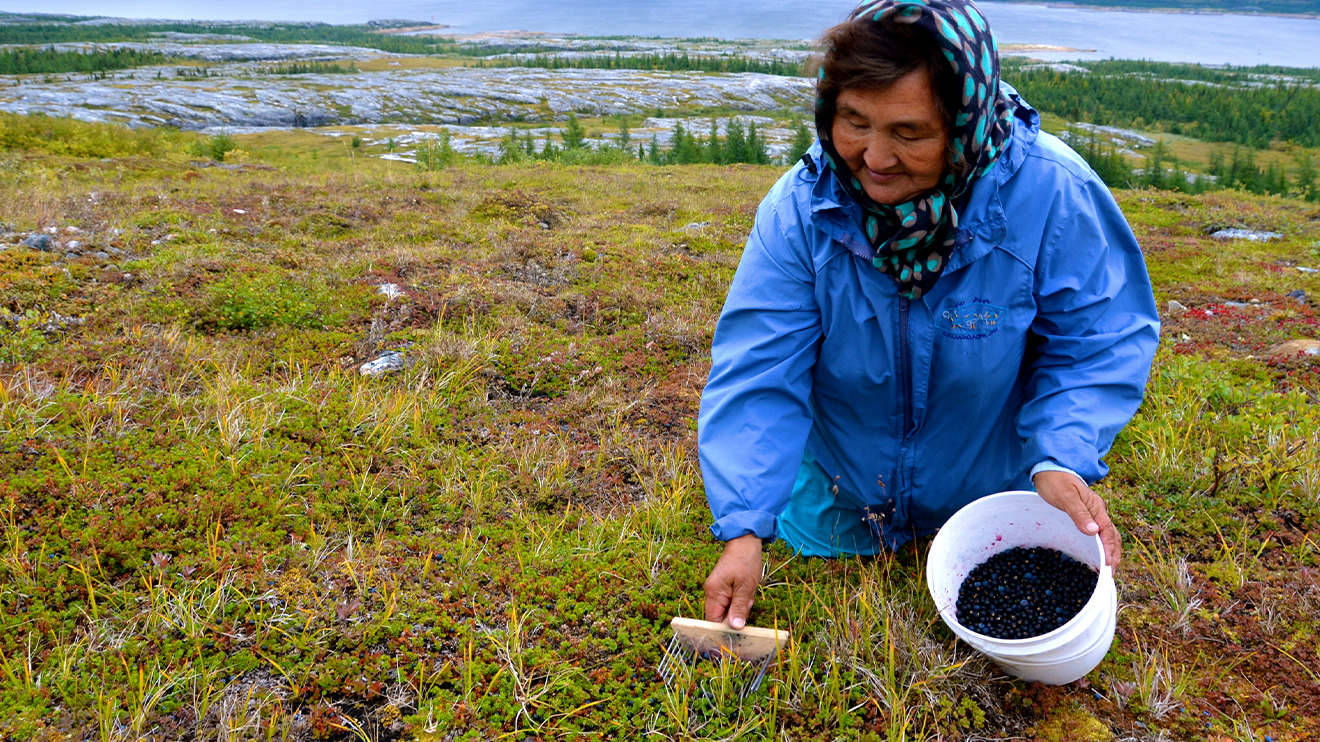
(940, 302)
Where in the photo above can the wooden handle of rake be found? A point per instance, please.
(750, 643)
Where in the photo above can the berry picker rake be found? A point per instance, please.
(750, 649)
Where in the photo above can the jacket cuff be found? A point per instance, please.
(1067, 450)
(1048, 465)
(759, 522)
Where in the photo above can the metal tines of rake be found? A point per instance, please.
(749, 650)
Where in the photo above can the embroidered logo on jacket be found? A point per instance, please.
(970, 320)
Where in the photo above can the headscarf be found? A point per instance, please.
(914, 239)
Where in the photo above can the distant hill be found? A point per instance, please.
(1283, 7)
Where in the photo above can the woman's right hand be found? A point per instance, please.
(731, 587)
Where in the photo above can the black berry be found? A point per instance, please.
(1024, 592)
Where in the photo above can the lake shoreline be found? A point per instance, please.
(1040, 27)
(402, 26)
(1169, 10)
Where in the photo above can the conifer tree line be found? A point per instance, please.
(312, 68)
(671, 61)
(1176, 71)
(1296, 7)
(1164, 171)
(49, 60)
(738, 144)
(282, 33)
(1249, 111)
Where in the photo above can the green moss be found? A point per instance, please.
(1072, 725)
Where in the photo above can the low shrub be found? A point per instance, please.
(67, 136)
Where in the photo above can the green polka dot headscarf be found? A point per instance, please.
(914, 240)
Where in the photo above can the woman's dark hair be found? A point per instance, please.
(863, 54)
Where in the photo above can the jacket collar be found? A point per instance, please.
(841, 218)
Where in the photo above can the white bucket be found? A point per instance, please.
(1001, 522)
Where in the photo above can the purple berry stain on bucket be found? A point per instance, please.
(1024, 592)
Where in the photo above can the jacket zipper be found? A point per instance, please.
(905, 359)
(899, 493)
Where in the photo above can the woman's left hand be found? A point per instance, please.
(1070, 494)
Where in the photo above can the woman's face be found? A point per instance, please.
(893, 138)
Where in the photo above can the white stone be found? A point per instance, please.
(1246, 234)
(386, 363)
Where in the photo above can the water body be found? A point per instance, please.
(1168, 37)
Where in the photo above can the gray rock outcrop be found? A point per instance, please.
(240, 95)
(1246, 234)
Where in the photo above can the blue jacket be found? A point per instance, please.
(1034, 346)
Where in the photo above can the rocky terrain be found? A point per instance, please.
(238, 89)
(239, 96)
(230, 83)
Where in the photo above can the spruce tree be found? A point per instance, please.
(756, 146)
(735, 146)
(1177, 176)
(803, 138)
(511, 148)
(684, 150)
(1154, 174)
(1276, 179)
(1305, 183)
(625, 136)
(574, 134)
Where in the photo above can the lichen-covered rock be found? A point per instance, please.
(1246, 234)
(1295, 347)
(42, 242)
(386, 363)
